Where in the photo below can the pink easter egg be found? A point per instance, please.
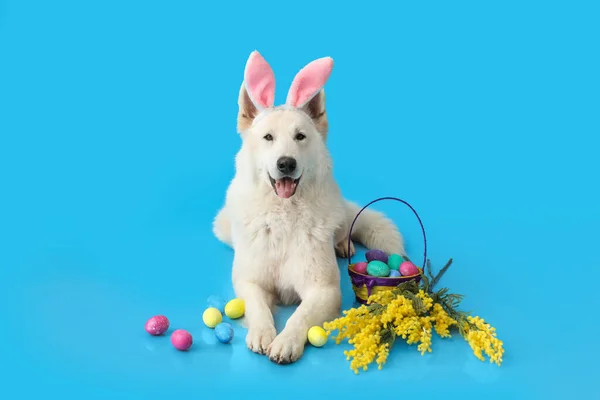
(360, 267)
(181, 339)
(157, 325)
(408, 269)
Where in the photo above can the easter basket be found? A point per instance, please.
(364, 285)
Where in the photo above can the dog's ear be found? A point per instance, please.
(315, 108)
(257, 91)
(247, 111)
(307, 93)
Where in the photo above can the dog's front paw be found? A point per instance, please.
(341, 249)
(259, 338)
(286, 349)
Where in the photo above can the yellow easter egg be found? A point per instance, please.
(235, 308)
(212, 317)
(317, 336)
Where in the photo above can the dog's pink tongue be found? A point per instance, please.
(285, 188)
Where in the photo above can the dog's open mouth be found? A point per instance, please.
(284, 187)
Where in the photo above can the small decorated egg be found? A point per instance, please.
(375, 254)
(317, 336)
(394, 273)
(224, 332)
(157, 325)
(408, 269)
(394, 261)
(216, 302)
(378, 268)
(212, 317)
(181, 339)
(360, 267)
(235, 308)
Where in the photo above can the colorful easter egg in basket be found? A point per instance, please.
(394, 261)
(360, 267)
(378, 268)
(407, 269)
(376, 255)
(394, 273)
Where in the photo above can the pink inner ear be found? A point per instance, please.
(309, 81)
(260, 81)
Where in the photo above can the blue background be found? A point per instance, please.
(117, 138)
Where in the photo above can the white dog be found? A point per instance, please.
(284, 214)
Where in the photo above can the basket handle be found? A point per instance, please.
(401, 201)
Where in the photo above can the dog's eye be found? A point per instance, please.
(268, 137)
(300, 136)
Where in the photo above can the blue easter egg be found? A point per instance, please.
(394, 273)
(224, 332)
(216, 302)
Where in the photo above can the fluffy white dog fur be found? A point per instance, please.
(285, 248)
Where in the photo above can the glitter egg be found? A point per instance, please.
(181, 339)
(408, 269)
(212, 317)
(217, 302)
(317, 336)
(360, 267)
(157, 325)
(235, 308)
(224, 332)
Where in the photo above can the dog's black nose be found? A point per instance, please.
(286, 165)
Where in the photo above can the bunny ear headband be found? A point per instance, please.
(259, 81)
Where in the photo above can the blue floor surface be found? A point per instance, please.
(117, 139)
